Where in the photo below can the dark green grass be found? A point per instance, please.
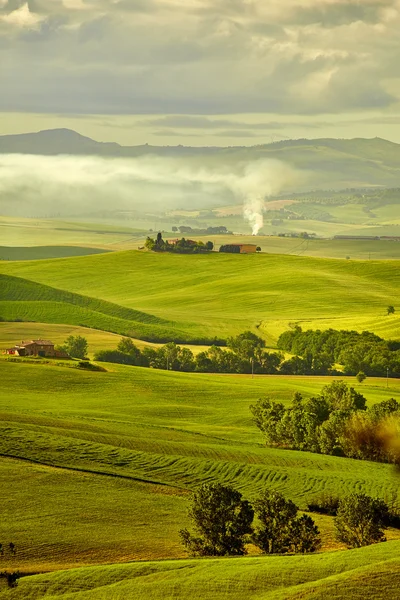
(263, 578)
(44, 252)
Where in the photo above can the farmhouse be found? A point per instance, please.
(36, 348)
(188, 242)
(239, 248)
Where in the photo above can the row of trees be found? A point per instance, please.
(336, 422)
(182, 246)
(224, 523)
(316, 352)
(245, 354)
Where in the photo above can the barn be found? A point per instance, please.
(239, 248)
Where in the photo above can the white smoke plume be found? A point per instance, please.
(39, 185)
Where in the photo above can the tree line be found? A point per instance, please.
(317, 352)
(182, 246)
(224, 523)
(336, 422)
(245, 354)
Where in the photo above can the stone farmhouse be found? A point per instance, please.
(36, 348)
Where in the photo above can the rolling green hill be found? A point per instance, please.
(364, 573)
(99, 466)
(200, 297)
(43, 252)
(25, 300)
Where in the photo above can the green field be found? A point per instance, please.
(161, 297)
(366, 573)
(98, 467)
(42, 252)
(31, 239)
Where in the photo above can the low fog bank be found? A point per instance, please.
(45, 186)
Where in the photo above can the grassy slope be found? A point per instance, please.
(219, 294)
(11, 333)
(371, 571)
(43, 252)
(29, 301)
(162, 434)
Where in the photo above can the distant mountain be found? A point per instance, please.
(327, 163)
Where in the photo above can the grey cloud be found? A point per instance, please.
(221, 57)
(197, 122)
(336, 14)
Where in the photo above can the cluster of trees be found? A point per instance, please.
(246, 354)
(336, 422)
(223, 523)
(316, 352)
(75, 346)
(182, 246)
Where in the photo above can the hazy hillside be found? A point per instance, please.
(330, 163)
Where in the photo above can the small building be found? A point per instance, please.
(36, 348)
(187, 242)
(239, 248)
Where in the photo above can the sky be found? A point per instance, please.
(201, 72)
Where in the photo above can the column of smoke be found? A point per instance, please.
(88, 182)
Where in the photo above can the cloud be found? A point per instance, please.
(202, 122)
(200, 57)
(21, 17)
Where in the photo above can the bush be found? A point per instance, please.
(361, 520)
(324, 503)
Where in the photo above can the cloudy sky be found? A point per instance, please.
(201, 72)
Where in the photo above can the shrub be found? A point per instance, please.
(360, 520)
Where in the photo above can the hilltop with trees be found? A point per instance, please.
(179, 246)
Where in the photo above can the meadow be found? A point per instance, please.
(192, 299)
(32, 239)
(98, 467)
(363, 573)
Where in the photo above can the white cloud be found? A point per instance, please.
(21, 17)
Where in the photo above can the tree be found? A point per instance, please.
(76, 346)
(247, 345)
(361, 376)
(258, 249)
(209, 246)
(390, 310)
(305, 535)
(341, 397)
(174, 228)
(126, 346)
(280, 530)
(221, 520)
(360, 520)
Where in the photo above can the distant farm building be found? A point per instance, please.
(36, 348)
(188, 242)
(239, 248)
